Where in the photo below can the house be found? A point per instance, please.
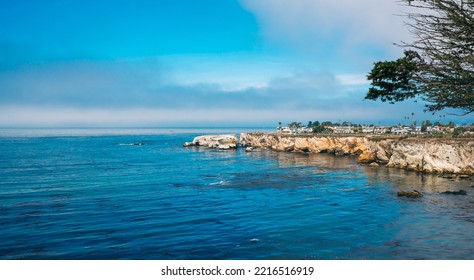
(400, 130)
(381, 129)
(368, 129)
(342, 129)
(284, 130)
(301, 130)
(416, 130)
(433, 130)
(304, 130)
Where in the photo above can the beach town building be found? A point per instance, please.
(301, 130)
(371, 129)
(304, 130)
(284, 130)
(416, 130)
(434, 129)
(401, 130)
(368, 129)
(382, 129)
(342, 129)
(376, 129)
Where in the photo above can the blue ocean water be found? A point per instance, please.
(138, 194)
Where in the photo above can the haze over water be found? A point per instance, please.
(138, 194)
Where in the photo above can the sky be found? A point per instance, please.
(197, 63)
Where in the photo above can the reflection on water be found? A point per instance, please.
(435, 226)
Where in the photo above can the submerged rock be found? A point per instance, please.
(412, 194)
(222, 142)
(374, 164)
(249, 149)
(460, 192)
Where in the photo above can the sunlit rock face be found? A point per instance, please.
(428, 155)
(434, 155)
(223, 142)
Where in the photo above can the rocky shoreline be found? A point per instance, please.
(455, 156)
(431, 155)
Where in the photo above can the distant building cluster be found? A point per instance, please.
(299, 130)
(326, 127)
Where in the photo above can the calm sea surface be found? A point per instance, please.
(138, 194)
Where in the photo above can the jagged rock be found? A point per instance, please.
(285, 144)
(188, 144)
(222, 142)
(460, 192)
(339, 152)
(434, 155)
(412, 194)
(367, 157)
(249, 149)
(383, 152)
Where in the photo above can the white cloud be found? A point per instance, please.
(321, 25)
(352, 79)
(149, 92)
(163, 83)
(230, 72)
(50, 116)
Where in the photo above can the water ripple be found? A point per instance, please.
(92, 197)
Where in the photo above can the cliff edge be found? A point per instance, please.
(419, 154)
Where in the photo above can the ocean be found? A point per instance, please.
(138, 194)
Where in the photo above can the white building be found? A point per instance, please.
(368, 129)
(301, 130)
(400, 130)
(284, 130)
(343, 129)
(381, 129)
(434, 129)
(304, 130)
(416, 130)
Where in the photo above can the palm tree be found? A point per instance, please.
(294, 126)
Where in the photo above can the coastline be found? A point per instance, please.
(431, 155)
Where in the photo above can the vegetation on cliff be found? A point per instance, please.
(427, 128)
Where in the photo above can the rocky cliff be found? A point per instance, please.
(420, 154)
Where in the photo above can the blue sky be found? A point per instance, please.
(186, 62)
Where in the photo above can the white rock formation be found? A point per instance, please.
(223, 142)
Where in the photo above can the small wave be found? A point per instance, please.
(132, 144)
(254, 240)
(220, 183)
